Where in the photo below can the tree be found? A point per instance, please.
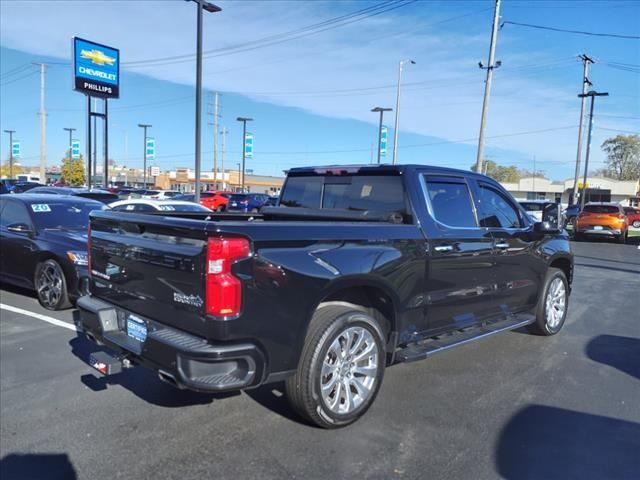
(510, 174)
(5, 170)
(623, 157)
(72, 171)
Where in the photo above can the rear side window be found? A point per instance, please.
(601, 209)
(383, 193)
(495, 211)
(451, 202)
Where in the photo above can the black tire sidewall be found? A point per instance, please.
(541, 314)
(64, 297)
(353, 318)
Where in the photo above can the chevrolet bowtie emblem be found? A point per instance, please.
(97, 57)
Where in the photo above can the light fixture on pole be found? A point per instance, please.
(397, 122)
(144, 158)
(244, 121)
(593, 94)
(70, 130)
(380, 110)
(211, 8)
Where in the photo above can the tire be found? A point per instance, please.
(636, 224)
(51, 285)
(329, 329)
(548, 325)
(577, 237)
(254, 210)
(622, 238)
(220, 209)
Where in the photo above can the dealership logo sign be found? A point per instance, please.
(96, 69)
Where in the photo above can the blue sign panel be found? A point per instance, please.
(248, 145)
(75, 149)
(15, 149)
(96, 69)
(383, 141)
(151, 148)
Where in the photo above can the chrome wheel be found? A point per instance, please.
(556, 303)
(50, 285)
(349, 370)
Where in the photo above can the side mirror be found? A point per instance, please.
(20, 228)
(545, 227)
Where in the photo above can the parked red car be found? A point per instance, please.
(216, 201)
(633, 216)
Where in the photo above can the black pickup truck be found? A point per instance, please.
(357, 268)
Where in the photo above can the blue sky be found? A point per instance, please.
(311, 97)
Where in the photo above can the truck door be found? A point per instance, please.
(458, 286)
(517, 272)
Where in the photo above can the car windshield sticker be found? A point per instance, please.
(130, 207)
(40, 207)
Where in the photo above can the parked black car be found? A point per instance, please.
(94, 194)
(358, 268)
(43, 239)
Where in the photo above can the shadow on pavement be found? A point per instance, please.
(625, 262)
(274, 398)
(18, 290)
(618, 352)
(541, 442)
(35, 466)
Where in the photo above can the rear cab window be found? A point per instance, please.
(354, 192)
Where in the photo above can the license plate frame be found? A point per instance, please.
(136, 328)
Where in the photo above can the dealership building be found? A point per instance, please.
(599, 189)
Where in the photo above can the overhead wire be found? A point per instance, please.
(579, 32)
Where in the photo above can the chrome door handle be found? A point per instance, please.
(443, 248)
(502, 245)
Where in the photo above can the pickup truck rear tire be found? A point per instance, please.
(552, 307)
(341, 366)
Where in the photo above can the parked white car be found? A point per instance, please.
(160, 194)
(143, 205)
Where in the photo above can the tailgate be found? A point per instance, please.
(152, 266)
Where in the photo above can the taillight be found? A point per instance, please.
(223, 290)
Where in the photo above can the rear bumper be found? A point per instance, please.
(183, 359)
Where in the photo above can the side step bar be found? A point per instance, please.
(431, 346)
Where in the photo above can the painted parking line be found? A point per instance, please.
(44, 318)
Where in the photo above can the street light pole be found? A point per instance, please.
(397, 122)
(239, 173)
(211, 8)
(144, 126)
(10, 132)
(70, 130)
(244, 121)
(380, 110)
(593, 94)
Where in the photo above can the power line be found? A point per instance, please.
(580, 32)
(18, 69)
(19, 78)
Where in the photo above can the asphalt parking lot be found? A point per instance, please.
(515, 406)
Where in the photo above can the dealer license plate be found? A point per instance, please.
(136, 328)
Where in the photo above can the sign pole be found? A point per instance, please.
(89, 142)
(106, 144)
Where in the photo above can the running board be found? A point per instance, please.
(431, 346)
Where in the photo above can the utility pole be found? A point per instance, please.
(380, 110)
(10, 132)
(43, 125)
(593, 94)
(487, 85)
(144, 126)
(585, 84)
(215, 140)
(397, 122)
(244, 121)
(70, 130)
(238, 173)
(534, 176)
(224, 132)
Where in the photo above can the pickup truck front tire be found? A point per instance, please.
(553, 304)
(341, 366)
